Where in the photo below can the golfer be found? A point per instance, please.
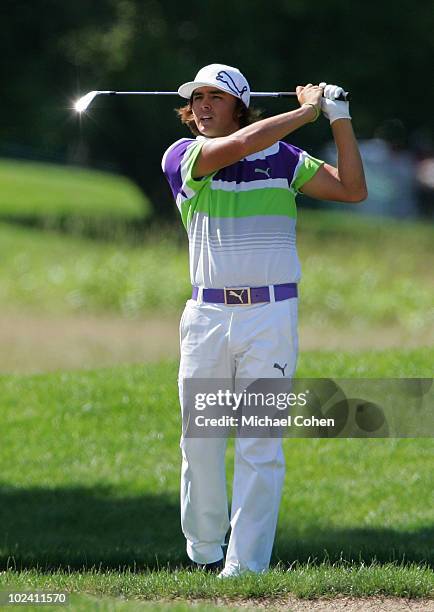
(235, 185)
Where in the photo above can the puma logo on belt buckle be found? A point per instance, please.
(237, 296)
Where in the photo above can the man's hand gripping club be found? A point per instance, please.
(324, 97)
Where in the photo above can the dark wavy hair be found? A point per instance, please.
(244, 116)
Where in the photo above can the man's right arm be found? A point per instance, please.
(220, 152)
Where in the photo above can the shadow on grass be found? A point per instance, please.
(86, 527)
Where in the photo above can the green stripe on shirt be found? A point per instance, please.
(219, 203)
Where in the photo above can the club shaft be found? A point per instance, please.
(253, 94)
(263, 94)
(83, 103)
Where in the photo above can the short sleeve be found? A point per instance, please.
(177, 164)
(300, 166)
(307, 168)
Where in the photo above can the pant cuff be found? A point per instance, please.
(204, 553)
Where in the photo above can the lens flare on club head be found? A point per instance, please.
(82, 104)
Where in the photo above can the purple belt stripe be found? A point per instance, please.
(258, 294)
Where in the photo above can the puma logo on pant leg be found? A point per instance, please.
(282, 369)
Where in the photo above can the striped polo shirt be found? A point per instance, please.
(240, 219)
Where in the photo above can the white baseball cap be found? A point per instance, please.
(226, 78)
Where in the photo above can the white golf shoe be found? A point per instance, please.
(231, 571)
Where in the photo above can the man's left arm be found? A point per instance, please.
(346, 183)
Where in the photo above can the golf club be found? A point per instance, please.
(84, 102)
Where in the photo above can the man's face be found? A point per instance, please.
(213, 112)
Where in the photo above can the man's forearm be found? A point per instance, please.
(264, 133)
(349, 166)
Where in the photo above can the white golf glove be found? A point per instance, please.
(334, 109)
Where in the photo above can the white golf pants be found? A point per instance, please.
(234, 342)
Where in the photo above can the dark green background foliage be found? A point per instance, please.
(54, 51)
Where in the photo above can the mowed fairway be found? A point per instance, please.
(90, 459)
(92, 491)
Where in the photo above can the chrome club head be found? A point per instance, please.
(82, 104)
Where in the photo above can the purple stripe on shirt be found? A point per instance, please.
(279, 165)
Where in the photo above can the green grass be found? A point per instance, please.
(90, 465)
(57, 274)
(75, 198)
(303, 581)
(365, 272)
(357, 273)
(392, 363)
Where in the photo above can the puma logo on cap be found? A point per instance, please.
(226, 78)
